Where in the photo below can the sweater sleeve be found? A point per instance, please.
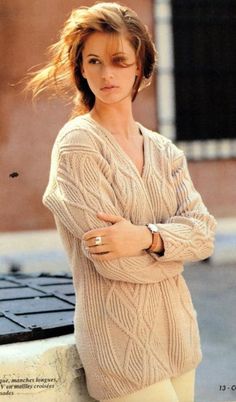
(189, 235)
(82, 186)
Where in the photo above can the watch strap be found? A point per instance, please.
(155, 240)
(155, 236)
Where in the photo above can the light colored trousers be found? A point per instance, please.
(178, 389)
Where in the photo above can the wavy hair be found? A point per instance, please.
(63, 72)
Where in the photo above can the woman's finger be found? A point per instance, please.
(99, 249)
(91, 234)
(92, 243)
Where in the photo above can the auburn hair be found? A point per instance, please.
(63, 72)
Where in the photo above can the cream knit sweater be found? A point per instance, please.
(134, 319)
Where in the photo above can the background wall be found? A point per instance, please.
(27, 133)
(216, 182)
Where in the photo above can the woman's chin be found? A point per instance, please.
(113, 99)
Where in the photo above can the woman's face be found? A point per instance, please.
(109, 66)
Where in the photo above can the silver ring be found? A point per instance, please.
(98, 240)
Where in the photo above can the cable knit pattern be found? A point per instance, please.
(134, 319)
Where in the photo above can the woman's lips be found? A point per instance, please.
(109, 88)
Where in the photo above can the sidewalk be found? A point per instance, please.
(225, 246)
(32, 251)
(213, 289)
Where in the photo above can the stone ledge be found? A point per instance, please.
(47, 370)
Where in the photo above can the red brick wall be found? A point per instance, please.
(216, 181)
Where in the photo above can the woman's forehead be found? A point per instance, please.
(107, 44)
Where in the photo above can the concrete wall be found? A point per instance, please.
(27, 133)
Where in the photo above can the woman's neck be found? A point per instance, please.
(118, 120)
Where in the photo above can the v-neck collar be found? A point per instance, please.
(113, 140)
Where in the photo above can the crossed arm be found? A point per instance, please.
(122, 239)
(82, 188)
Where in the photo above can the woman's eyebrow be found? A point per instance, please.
(114, 54)
(91, 54)
(95, 55)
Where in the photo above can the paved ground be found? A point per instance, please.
(214, 296)
(213, 289)
(212, 284)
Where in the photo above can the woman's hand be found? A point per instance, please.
(122, 239)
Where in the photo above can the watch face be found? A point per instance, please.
(153, 227)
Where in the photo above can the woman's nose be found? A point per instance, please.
(107, 71)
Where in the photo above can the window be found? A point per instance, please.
(198, 78)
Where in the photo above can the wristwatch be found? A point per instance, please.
(155, 237)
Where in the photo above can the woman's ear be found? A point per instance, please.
(83, 73)
(82, 70)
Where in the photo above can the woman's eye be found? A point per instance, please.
(121, 61)
(94, 61)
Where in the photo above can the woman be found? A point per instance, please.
(127, 213)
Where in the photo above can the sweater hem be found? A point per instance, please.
(116, 397)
